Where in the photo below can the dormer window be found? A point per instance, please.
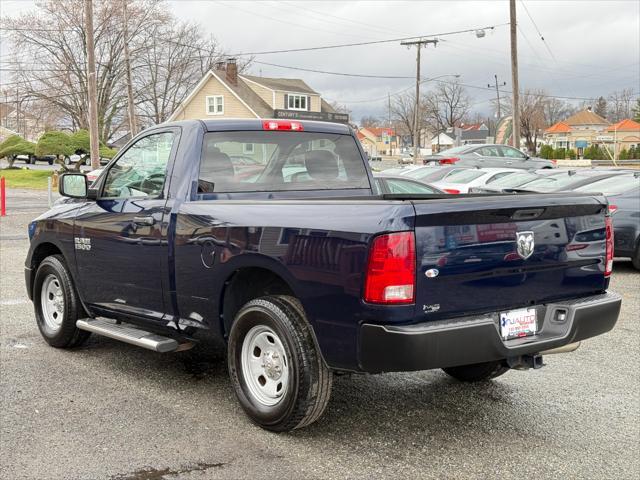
(296, 102)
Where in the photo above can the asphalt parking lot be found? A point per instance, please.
(113, 411)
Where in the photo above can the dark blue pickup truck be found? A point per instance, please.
(271, 235)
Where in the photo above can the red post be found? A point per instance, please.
(3, 198)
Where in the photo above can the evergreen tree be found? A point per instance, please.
(601, 107)
(636, 110)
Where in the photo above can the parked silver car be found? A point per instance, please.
(487, 155)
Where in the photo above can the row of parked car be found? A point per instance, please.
(621, 186)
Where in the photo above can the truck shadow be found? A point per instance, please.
(406, 409)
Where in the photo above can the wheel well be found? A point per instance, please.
(43, 251)
(246, 284)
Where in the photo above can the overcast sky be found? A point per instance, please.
(591, 47)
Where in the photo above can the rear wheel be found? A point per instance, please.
(635, 260)
(50, 161)
(275, 364)
(477, 372)
(57, 306)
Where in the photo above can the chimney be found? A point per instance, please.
(232, 71)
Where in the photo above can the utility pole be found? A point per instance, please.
(17, 112)
(514, 75)
(133, 127)
(497, 93)
(92, 87)
(416, 113)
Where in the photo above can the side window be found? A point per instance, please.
(512, 153)
(490, 152)
(141, 170)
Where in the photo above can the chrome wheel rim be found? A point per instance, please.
(265, 366)
(52, 302)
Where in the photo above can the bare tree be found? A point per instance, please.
(446, 106)
(402, 108)
(370, 121)
(50, 56)
(340, 108)
(169, 59)
(556, 110)
(532, 119)
(621, 103)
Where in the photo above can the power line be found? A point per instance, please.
(333, 73)
(380, 28)
(289, 24)
(538, 30)
(357, 44)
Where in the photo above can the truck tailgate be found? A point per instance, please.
(482, 254)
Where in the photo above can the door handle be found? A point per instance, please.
(148, 221)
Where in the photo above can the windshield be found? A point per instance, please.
(271, 161)
(555, 182)
(514, 180)
(463, 176)
(612, 185)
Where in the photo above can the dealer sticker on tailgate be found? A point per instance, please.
(518, 323)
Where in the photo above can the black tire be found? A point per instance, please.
(67, 335)
(50, 161)
(478, 372)
(309, 379)
(635, 260)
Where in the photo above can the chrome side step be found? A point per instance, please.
(132, 335)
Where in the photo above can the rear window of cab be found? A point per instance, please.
(272, 161)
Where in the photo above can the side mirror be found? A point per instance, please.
(73, 185)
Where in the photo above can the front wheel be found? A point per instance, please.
(57, 306)
(478, 372)
(275, 364)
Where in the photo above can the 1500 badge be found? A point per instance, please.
(82, 243)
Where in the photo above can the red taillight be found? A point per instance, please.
(452, 190)
(448, 161)
(613, 209)
(391, 270)
(608, 266)
(571, 247)
(282, 125)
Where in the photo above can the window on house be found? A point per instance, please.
(215, 105)
(296, 102)
(247, 148)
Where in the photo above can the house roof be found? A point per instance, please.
(326, 107)
(560, 127)
(474, 134)
(586, 117)
(244, 91)
(283, 84)
(379, 132)
(246, 95)
(474, 126)
(626, 125)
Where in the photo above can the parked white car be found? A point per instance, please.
(461, 181)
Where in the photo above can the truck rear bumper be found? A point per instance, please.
(469, 340)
